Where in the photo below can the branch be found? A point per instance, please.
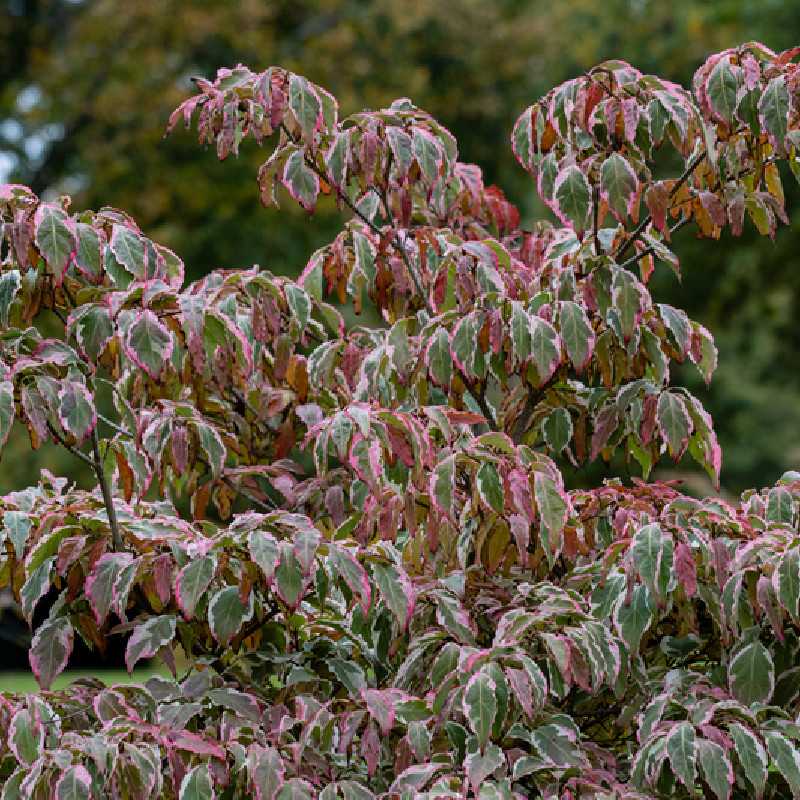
(598, 250)
(637, 231)
(74, 450)
(108, 500)
(650, 250)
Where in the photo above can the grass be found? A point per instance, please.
(25, 683)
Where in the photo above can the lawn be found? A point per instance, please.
(24, 682)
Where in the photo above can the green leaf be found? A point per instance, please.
(350, 674)
(752, 756)
(786, 759)
(76, 410)
(192, 582)
(652, 556)
(789, 581)
(50, 650)
(17, 526)
(773, 110)
(75, 783)
(576, 333)
(682, 756)
(36, 587)
(553, 513)
(573, 197)
(25, 736)
(490, 488)
(299, 303)
(442, 484)
(439, 360)
(751, 674)
(87, 257)
(148, 638)
(128, 248)
(227, 613)
(480, 706)
(397, 591)
(212, 446)
(618, 184)
(289, 579)
(301, 181)
(427, 153)
(557, 429)
(626, 295)
(6, 411)
(480, 765)
(295, 789)
(722, 89)
(55, 238)
(520, 332)
(673, 422)
(93, 330)
(545, 348)
(149, 344)
(634, 618)
(305, 105)
(716, 768)
(196, 784)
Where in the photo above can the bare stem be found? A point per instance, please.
(108, 500)
(637, 231)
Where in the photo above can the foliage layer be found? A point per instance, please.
(359, 541)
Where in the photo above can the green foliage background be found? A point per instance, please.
(86, 88)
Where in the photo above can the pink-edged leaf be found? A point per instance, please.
(26, 736)
(76, 410)
(197, 784)
(381, 706)
(75, 783)
(50, 650)
(554, 509)
(227, 613)
(354, 575)
(148, 638)
(194, 743)
(481, 764)
(674, 422)
(396, 590)
(301, 181)
(265, 770)
(55, 237)
(618, 186)
(149, 344)
(192, 582)
(576, 333)
(545, 348)
(101, 580)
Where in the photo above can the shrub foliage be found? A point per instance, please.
(354, 549)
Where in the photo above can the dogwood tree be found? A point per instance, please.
(353, 548)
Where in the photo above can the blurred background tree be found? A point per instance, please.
(86, 88)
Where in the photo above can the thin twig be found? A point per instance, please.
(650, 250)
(108, 500)
(637, 231)
(598, 250)
(114, 426)
(74, 450)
